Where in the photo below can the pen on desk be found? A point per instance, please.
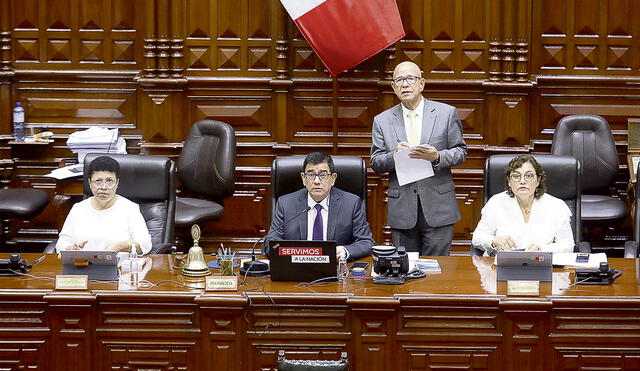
(39, 259)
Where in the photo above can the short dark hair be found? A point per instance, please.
(315, 158)
(517, 163)
(104, 163)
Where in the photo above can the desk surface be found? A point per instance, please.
(459, 319)
(460, 276)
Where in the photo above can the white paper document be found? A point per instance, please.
(66, 172)
(568, 259)
(410, 170)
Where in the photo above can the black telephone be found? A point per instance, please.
(13, 266)
(596, 276)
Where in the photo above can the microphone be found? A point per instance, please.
(258, 268)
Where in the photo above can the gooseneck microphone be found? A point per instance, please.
(258, 268)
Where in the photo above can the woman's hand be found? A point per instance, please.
(533, 247)
(127, 246)
(77, 246)
(503, 243)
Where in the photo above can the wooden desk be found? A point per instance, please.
(455, 320)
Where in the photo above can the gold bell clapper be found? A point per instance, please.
(195, 266)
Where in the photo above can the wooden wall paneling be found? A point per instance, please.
(27, 346)
(147, 333)
(222, 324)
(600, 326)
(318, 330)
(71, 321)
(375, 330)
(525, 338)
(586, 38)
(426, 332)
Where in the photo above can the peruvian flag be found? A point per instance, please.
(344, 33)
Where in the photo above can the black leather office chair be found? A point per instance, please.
(21, 204)
(588, 138)
(563, 181)
(351, 170)
(148, 181)
(312, 365)
(206, 168)
(631, 247)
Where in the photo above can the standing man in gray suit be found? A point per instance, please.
(422, 213)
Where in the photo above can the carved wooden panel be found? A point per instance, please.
(585, 37)
(22, 354)
(443, 357)
(65, 34)
(447, 39)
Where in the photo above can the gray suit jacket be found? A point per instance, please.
(442, 129)
(347, 224)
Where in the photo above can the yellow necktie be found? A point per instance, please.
(413, 129)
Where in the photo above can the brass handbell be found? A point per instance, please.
(195, 266)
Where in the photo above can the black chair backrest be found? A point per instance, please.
(150, 182)
(588, 138)
(207, 164)
(563, 182)
(351, 170)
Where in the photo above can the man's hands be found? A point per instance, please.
(341, 253)
(402, 146)
(423, 151)
(426, 153)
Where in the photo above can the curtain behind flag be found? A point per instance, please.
(344, 33)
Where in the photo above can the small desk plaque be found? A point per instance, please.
(222, 283)
(72, 282)
(527, 288)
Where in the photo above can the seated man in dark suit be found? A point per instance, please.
(332, 214)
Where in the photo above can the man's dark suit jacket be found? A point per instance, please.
(347, 224)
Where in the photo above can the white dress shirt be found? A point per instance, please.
(121, 222)
(311, 216)
(549, 223)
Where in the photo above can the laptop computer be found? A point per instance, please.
(524, 265)
(98, 265)
(302, 260)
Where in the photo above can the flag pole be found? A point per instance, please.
(334, 115)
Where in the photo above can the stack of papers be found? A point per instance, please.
(96, 140)
(428, 266)
(70, 171)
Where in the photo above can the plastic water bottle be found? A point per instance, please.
(18, 122)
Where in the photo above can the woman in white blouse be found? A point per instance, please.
(105, 221)
(524, 217)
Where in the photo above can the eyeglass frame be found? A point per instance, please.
(320, 175)
(524, 176)
(104, 183)
(404, 79)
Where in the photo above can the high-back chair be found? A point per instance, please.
(351, 170)
(20, 204)
(206, 168)
(588, 138)
(563, 182)
(148, 181)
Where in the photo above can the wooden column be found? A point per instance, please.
(150, 39)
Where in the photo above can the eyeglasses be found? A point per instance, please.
(410, 79)
(311, 176)
(516, 177)
(106, 183)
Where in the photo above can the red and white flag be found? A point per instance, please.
(344, 33)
